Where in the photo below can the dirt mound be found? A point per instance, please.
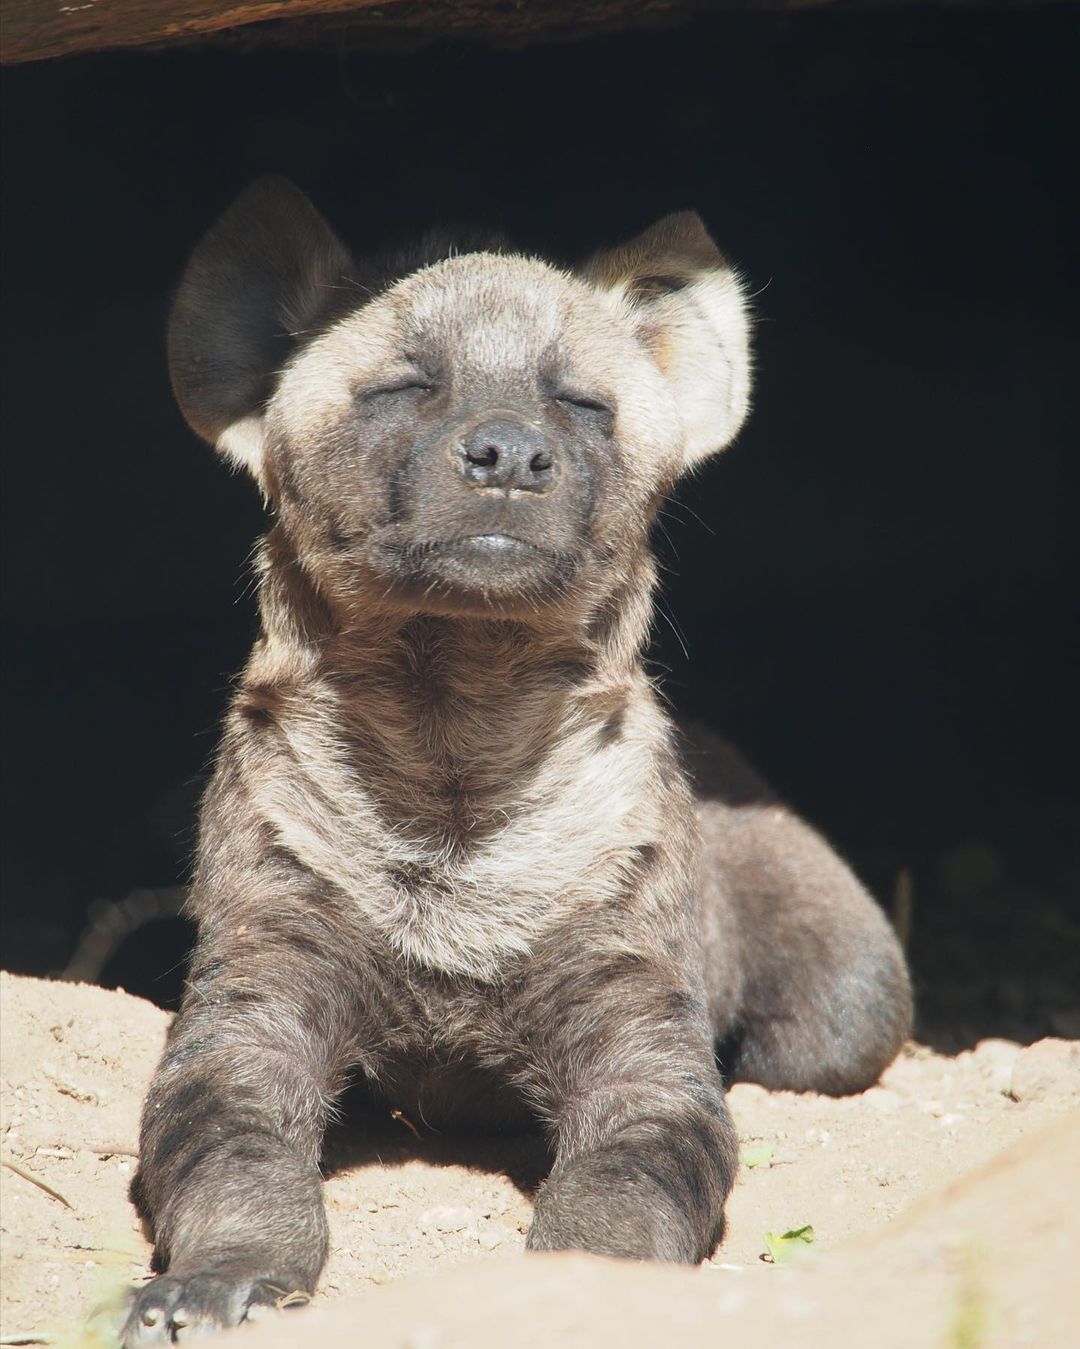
(988, 1263)
(977, 1262)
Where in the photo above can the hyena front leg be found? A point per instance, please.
(231, 1134)
(646, 1151)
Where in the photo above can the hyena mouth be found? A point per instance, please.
(492, 546)
(491, 564)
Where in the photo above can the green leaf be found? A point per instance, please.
(757, 1154)
(781, 1248)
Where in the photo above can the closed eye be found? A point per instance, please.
(578, 400)
(411, 384)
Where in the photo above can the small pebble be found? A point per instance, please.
(995, 1061)
(446, 1218)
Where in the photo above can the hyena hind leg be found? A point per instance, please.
(811, 989)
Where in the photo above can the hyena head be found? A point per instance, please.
(482, 435)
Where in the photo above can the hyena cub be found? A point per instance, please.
(449, 846)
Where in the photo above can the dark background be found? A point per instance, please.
(875, 586)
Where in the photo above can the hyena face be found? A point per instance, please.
(475, 417)
(486, 434)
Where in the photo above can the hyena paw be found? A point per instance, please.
(180, 1307)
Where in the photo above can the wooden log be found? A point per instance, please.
(31, 30)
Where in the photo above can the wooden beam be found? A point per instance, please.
(33, 29)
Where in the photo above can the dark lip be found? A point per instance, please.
(480, 574)
(488, 545)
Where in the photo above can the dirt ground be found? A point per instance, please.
(986, 1255)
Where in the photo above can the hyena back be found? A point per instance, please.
(450, 846)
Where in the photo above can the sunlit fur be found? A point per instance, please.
(453, 844)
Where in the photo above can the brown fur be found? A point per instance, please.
(450, 844)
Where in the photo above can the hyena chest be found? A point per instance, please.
(479, 902)
(473, 910)
(464, 873)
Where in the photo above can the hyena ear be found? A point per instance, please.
(687, 306)
(263, 274)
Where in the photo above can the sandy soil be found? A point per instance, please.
(76, 1060)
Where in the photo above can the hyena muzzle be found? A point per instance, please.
(451, 847)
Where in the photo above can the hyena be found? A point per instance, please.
(451, 847)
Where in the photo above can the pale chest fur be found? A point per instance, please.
(462, 859)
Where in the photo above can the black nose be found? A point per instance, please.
(510, 455)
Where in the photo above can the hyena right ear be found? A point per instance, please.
(686, 305)
(263, 274)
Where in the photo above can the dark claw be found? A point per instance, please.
(175, 1308)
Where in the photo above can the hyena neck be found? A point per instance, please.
(460, 709)
(599, 646)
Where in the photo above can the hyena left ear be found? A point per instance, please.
(257, 283)
(688, 309)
